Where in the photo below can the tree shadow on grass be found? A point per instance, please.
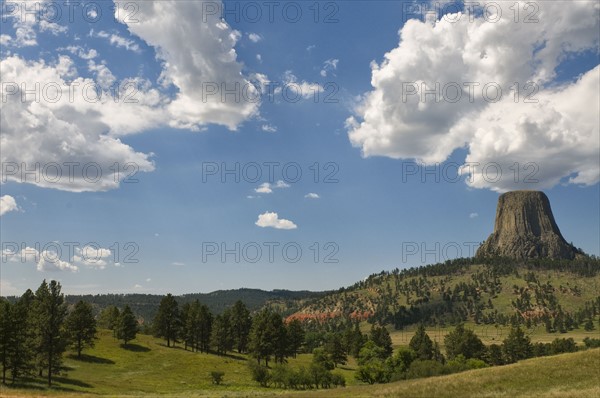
(135, 347)
(235, 356)
(73, 382)
(39, 384)
(91, 359)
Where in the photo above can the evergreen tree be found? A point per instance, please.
(167, 322)
(50, 313)
(222, 336)
(280, 338)
(421, 344)
(204, 330)
(494, 355)
(354, 340)
(381, 337)
(516, 346)
(81, 327)
(109, 319)
(295, 337)
(334, 348)
(185, 318)
(127, 327)
(21, 355)
(262, 337)
(6, 334)
(463, 342)
(240, 325)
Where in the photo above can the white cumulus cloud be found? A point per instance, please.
(272, 220)
(199, 59)
(7, 204)
(464, 59)
(254, 37)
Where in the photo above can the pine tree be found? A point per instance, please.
(381, 337)
(167, 321)
(50, 313)
(127, 326)
(81, 327)
(222, 336)
(295, 337)
(421, 344)
(21, 355)
(262, 336)
(516, 346)
(189, 324)
(240, 325)
(204, 331)
(280, 338)
(6, 333)
(334, 348)
(463, 342)
(109, 319)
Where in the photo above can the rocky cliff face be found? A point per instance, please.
(525, 228)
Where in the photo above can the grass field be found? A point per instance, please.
(149, 368)
(491, 334)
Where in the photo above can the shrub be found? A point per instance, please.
(473, 363)
(373, 371)
(559, 346)
(425, 368)
(260, 374)
(338, 380)
(591, 343)
(493, 355)
(217, 377)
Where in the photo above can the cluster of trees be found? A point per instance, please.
(464, 351)
(318, 375)
(36, 330)
(265, 336)
(124, 324)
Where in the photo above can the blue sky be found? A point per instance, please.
(375, 197)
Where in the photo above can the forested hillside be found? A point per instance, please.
(560, 294)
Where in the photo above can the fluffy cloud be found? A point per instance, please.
(555, 140)
(266, 187)
(68, 121)
(50, 260)
(7, 203)
(312, 195)
(199, 59)
(464, 53)
(82, 125)
(45, 260)
(93, 257)
(272, 220)
(254, 37)
(296, 87)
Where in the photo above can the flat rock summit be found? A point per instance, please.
(525, 228)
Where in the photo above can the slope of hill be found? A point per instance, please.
(559, 294)
(540, 377)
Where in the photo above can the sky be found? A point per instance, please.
(191, 146)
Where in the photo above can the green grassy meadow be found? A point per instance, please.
(148, 368)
